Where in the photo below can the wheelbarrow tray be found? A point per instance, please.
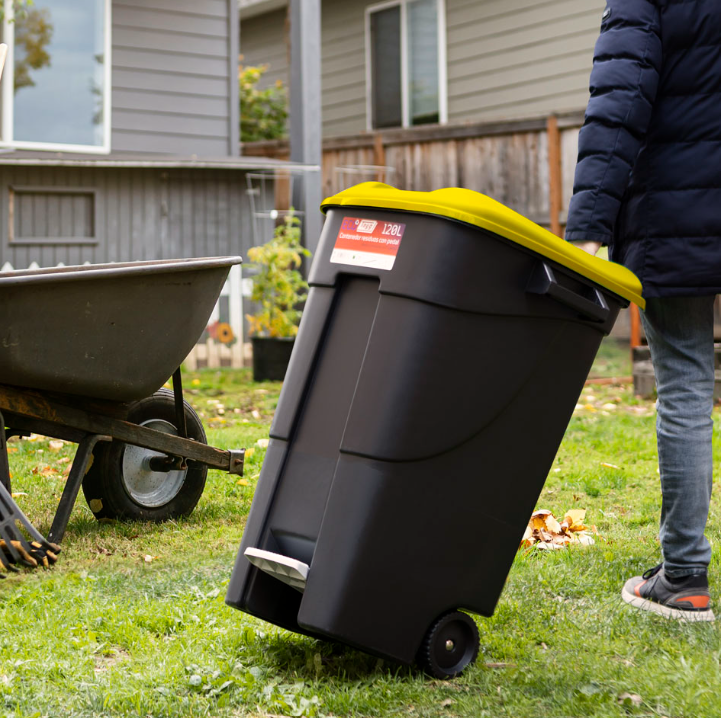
(105, 331)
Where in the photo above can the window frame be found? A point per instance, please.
(405, 94)
(98, 216)
(7, 91)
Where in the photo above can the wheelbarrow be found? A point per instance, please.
(84, 352)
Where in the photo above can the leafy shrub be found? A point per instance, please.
(279, 287)
(263, 113)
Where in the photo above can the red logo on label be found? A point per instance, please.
(368, 242)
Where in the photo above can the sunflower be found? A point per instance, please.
(224, 333)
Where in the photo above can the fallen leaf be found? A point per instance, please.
(552, 525)
(12, 449)
(56, 445)
(64, 460)
(148, 558)
(249, 452)
(630, 699)
(574, 517)
(195, 382)
(243, 482)
(18, 493)
(255, 414)
(527, 534)
(447, 703)
(263, 443)
(44, 471)
(610, 466)
(544, 532)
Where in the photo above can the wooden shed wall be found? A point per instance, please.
(174, 89)
(139, 213)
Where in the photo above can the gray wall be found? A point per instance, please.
(513, 58)
(507, 59)
(139, 214)
(262, 42)
(174, 89)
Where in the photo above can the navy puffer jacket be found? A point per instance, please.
(648, 179)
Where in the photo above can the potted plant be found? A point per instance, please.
(279, 291)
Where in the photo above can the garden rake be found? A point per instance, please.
(14, 546)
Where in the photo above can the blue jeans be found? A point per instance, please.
(680, 336)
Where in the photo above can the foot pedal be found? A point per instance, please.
(285, 569)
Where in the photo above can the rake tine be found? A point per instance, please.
(16, 513)
(8, 541)
(4, 560)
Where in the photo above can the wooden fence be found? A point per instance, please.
(525, 164)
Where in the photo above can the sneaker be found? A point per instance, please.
(685, 600)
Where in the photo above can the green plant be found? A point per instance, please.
(263, 113)
(279, 287)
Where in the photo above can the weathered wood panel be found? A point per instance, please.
(174, 89)
(139, 214)
(507, 161)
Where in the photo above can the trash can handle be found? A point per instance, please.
(543, 281)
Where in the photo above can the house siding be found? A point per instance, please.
(263, 42)
(172, 81)
(509, 59)
(506, 59)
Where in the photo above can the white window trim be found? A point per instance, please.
(8, 95)
(442, 62)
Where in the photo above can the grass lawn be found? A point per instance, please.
(131, 621)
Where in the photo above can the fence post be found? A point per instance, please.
(555, 182)
(379, 157)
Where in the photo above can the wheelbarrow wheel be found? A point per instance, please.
(121, 485)
(450, 646)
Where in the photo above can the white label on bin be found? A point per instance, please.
(367, 243)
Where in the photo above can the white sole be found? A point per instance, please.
(666, 611)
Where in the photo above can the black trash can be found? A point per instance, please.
(442, 350)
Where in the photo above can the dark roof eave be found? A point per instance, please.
(64, 159)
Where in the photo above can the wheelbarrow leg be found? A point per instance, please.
(81, 464)
(179, 407)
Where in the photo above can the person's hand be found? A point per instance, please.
(590, 247)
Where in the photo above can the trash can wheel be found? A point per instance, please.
(451, 644)
(120, 484)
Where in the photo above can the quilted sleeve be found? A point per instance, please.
(624, 81)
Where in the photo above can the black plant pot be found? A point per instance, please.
(270, 357)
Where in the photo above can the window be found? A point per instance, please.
(406, 63)
(56, 83)
(50, 215)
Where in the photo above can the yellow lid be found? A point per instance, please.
(474, 208)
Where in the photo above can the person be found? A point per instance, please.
(648, 185)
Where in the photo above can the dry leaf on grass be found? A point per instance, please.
(545, 532)
(55, 445)
(45, 471)
(630, 699)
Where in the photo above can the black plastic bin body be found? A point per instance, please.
(422, 410)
